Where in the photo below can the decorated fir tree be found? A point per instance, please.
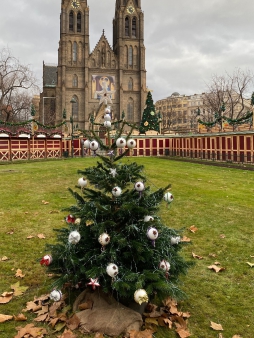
(150, 120)
(114, 240)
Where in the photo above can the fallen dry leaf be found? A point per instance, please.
(168, 322)
(220, 335)
(44, 202)
(41, 236)
(18, 290)
(185, 239)
(222, 236)
(216, 327)
(5, 318)
(183, 333)
(98, 335)
(141, 334)
(4, 258)
(67, 334)
(212, 255)
(237, 336)
(19, 274)
(250, 264)
(32, 331)
(11, 232)
(196, 256)
(29, 237)
(20, 318)
(32, 306)
(6, 297)
(216, 268)
(42, 318)
(73, 322)
(193, 228)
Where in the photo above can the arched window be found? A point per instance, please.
(134, 27)
(71, 21)
(126, 56)
(75, 81)
(130, 110)
(79, 22)
(130, 84)
(130, 56)
(135, 56)
(74, 51)
(127, 26)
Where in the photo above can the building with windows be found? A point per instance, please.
(80, 72)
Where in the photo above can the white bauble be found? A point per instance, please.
(168, 197)
(94, 145)
(121, 142)
(104, 239)
(148, 219)
(87, 144)
(140, 296)
(56, 295)
(152, 233)
(116, 191)
(175, 240)
(112, 270)
(74, 237)
(82, 182)
(107, 117)
(131, 143)
(107, 110)
(139, 186)
(107, 124)
(77, 221)
(164, 265)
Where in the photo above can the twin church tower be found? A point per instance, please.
(80, 72)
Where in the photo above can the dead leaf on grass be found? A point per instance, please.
(18, 290)
(20, 318)
(212, 255)
(11, 232)
(141, 334)
(196, 256)
(99, 335)
(67, 334)
(32, 306)
(216, 327)
(5, 318)
(183, 333)
(4, 258)
(222, 236)
(31, 330)
(73, 322)
(6, 297)
(185, 239)
(193, 228)
(250, 264)
(44, 202)
(216, 268)
(237, 336)
(19, 274)
(29, 237)
(41, 236)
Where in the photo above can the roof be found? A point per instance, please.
(49, 75)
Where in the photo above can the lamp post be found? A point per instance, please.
(71, 121)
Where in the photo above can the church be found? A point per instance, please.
(81, 74)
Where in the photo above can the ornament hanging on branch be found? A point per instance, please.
(74, 237)
(112, 270)
(56, 295)
(168, 197)
(94, 145)
(107, 124)
(112, 171)
(104, 239)
(121, 142)
(82, 182)
(93, 283)
(131, 143)
(70, 219)
(46, 260)
(148, 219)
(140, 296)
(87, 144)
(152, 234)
(116, 191)
(175, 240)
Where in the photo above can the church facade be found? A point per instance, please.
(81, 73)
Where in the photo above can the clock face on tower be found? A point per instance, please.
(130, 9)
(75, 4)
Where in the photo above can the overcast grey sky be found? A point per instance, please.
(186, 41)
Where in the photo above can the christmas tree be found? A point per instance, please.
(113, 239)
(150, 120)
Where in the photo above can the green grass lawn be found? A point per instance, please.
(217, 201)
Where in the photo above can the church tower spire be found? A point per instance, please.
(128, 45)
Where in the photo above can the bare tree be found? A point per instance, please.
(229, 95)
(17, 85)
